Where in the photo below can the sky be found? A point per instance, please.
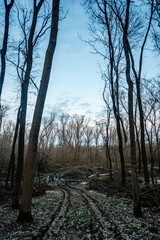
(75, 83)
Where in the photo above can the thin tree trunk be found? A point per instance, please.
(139, 152)
(151, 152)
(138, 143)
(136, 198)
(115, 108)
(138, 87)
(143, 147)
(12, 158)
(25, 207)
(108, 155)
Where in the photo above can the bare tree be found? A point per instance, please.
(127, 22)
(156, 26)
(3, 110)
(97, 135)
(137, 75)
(5, 43)
(106, 136)
(107, 33)
(29, 42)
(152, 122)
(46, 143)
(88, 135)
(78, 128)
(3, 51)
(6, 138)
(62, 132)
(25, 207)
(136, 198)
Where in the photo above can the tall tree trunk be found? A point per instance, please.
(143, 147)
(108, 156)
(136, 198)
(4, 49)
(25, 207)
(24, 96)
(115, 108)
(151, 151)
(118, 121)
(19, 169)
(5, 41)
(138, 87)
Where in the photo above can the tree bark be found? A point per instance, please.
(138, 87)
(25, 207)
(24, 96)
(136, 198)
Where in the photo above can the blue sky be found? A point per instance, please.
(75, 83)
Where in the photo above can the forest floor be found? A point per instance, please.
(98, 210)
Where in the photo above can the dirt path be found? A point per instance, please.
(79, 217)
(74, 213)
(107, 227)
(51, 231)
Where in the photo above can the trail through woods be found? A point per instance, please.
(74, 213)
(78, 202)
